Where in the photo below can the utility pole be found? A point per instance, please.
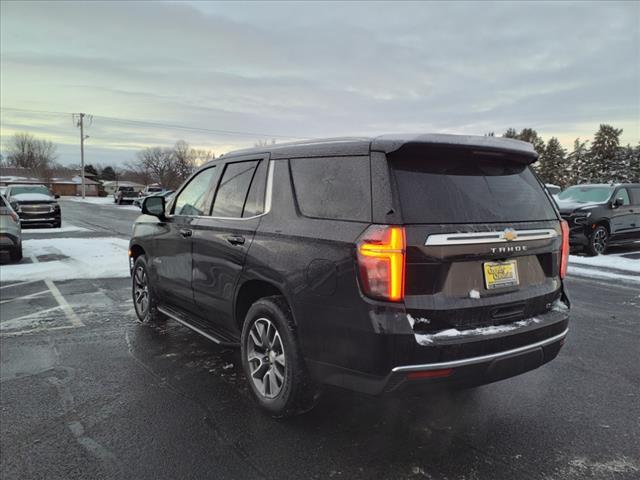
(83, 137)
(82, 152)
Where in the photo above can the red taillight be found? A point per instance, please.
(564, 249)
(381, 251)
(430, 374)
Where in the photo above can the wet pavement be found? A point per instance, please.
(87, 392)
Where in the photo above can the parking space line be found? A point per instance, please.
(34, 330)
(66, 308)
(19, 283)
(24, 297)
(30, 315)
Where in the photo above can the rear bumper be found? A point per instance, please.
(460, 361)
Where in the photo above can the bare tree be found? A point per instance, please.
(35, 155)
(186, 159)
(158, 163)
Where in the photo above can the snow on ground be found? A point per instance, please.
(107, 201)
(95, 200)
(591, 272)
(66, 227)
(87, 258)
(606, 261)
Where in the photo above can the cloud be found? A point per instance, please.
(319, 69)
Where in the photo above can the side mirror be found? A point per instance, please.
(154, 206)
(618, 202)
(56, 196)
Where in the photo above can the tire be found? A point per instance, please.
(120, 201)
(16, 253)
(58, 223)
(290, 389)
(144, 299)
(598, 241)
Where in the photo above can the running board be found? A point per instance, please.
(216, 337)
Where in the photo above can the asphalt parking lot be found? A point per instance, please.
(87, 392)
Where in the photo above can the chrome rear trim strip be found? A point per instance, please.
(484, 358)
(473, 238)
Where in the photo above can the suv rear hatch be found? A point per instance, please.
(483, 239)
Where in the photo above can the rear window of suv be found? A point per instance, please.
(443, 186)
(337, 188)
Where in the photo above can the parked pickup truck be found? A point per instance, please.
(125, 194)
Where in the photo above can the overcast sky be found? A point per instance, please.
(314, 70)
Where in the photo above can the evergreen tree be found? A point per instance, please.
(552, 166)
(108, 173)
(578, 162)
(90, 169)
(634, 164)
(604, 157)
(510, 133)
(527, 135)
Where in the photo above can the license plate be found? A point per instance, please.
(500, 274)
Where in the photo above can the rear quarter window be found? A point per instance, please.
(444, 186)
(337, 188)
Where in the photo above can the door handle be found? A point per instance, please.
(185, 232)
(235, 239)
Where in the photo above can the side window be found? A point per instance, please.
(233, 189)
(624, 195)
(337, 188)
(635, 194)
(192, 201)
(255, 199)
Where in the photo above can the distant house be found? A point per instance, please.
(60, 182)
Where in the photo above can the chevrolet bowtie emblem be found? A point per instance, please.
(509, 235)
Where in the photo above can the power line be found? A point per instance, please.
(165, 125)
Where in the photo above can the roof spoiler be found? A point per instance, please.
(511, 150)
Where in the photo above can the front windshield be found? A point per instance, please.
(30, 189)
(586, 194)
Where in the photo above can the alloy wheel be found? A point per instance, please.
(141, 291)
(600, 240)
(266, 358)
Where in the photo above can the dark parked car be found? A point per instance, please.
(371, 264)
(10, 230)
(35, 205)
(600, 216)
(165, 193)
(124, 195)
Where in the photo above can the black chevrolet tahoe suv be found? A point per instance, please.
(35, 205)
(374, 264)
(600, 216)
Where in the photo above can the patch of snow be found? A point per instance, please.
(417, 321)
(559, 306)
(427, 339)
(32, 197)
(95, 200)
(107, 201)
(474, 294)
(87, 258)
(607, 261)
(602, 274)
(66, 227)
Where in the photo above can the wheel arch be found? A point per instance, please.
(135, 251)
(249, 292)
